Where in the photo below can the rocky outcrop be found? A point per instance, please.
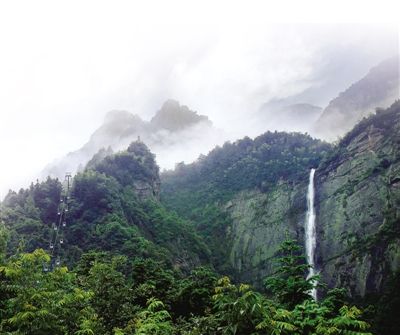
(358, 213)
(358, 206)
(147, 190)
(260, 222)
(134, 168)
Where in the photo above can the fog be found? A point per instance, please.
(63, 67)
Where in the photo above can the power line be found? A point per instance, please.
(57, 239)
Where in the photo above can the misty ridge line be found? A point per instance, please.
(170, 133)
(177, 134)
(226, 74)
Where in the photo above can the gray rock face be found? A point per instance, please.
(358, 213)
(358, 199)
(145, 190)
(260, 222)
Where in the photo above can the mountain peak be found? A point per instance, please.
(173, 116)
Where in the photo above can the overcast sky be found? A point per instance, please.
(64, 65)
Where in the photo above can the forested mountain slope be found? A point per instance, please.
(113, 207)
(245, 197)
(358, 211)
(235, 207)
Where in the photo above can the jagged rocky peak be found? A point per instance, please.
(121, 128)
(174, 117)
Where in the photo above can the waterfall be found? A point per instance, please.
(310, 231)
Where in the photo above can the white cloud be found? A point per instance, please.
(63, 65)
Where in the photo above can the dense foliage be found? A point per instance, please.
(244, 164)
(198, 191)
(106, 213)
(114, 295)
(132, 266)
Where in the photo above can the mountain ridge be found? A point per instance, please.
(378, 88)
(120, 128)
(254, 218)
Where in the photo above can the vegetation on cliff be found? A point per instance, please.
(198, 191)
(131, 265)
(244, 164)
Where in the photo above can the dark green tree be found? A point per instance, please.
(110, 298)
(40, 303)
(289, 284)
(195, 293)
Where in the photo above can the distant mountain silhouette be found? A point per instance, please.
(172, 122)
(379, 88)
(294, 117)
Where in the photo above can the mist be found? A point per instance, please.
(62, 73)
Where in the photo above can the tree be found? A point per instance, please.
(300, 314)
(110, 298)
(38, 302)
(3, 241)
(195, 292)
(237, 309)
(289, 284)
(154, 320)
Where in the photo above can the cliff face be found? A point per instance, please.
(358, 213)
(261, 187)
(260, 222)
(358, 206)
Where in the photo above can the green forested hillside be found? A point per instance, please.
(107, 212)
(108, 294)
(202, 191)
(147, 255)
(244, 164)
(133, 266)
(357, 200)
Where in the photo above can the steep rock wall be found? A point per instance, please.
(358, 207)
(260, 222)
(358, 213)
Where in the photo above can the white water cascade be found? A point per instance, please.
(310, 231)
